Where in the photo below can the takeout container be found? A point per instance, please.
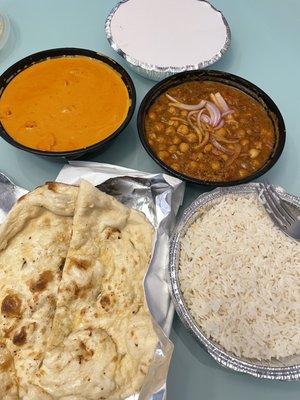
(26, 62)
(227, 79)
(198, 23)
(287, 368)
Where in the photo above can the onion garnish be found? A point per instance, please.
(238, 149)
(205, 140)
(224, 140)
(183, 106)
(214, 113)
(223, 106)
(218, 146)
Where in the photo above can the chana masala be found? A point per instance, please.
(210, 131)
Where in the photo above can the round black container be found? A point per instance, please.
(26, 62)
(228, 79)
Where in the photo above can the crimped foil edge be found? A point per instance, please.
(275, 370)
(155, 72)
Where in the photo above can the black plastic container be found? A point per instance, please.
(26, 62)
(228, 79)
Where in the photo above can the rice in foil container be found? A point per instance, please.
(211, 26)
(159, 197)
(287, 369)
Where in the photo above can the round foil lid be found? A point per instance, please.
(4, 29)
(173, 35)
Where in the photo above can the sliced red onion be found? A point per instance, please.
(238, 149)
(214, 112)
(205, 140)
(222, 103)
(183, 106)
(218, 146)
(227, 112)
(220, 125)
(172, 98)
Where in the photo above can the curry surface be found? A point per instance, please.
(247, 135)
(64, 103)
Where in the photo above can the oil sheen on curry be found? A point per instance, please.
(210, 131)
(64, 104)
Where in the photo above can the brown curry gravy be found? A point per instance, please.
(175, 142)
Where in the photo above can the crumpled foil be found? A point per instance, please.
(288, 368)
(156, 72)
(159, 197)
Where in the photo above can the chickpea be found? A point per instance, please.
(243, 173)
(183, 129)
(253, 153)
(215, 165)
(255, 163)
(159, 126)
(172, 149)
(184, 113)
(152, 115)
(176, 140)
(170, 130)
(172, 110)
(193, 165)
(225, 157)
(207, 148)
(171, 122)
(258, 145)
(162, 147)
(241, 133)
(244, 142)
(221, 132)
(192, 138)
(184, 147)
(175, 166)
(152, 136)
(163, 155)
(151, 142)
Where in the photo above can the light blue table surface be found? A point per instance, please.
(265, 50)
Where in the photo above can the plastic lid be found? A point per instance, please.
(4, 29)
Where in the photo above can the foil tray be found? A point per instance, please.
(287, 369)
(155, 72)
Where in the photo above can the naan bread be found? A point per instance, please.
(34, 240)
(8, 378)
(102, 340)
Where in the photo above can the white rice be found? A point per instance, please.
(240, 277)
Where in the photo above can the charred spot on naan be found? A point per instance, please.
(53, 186)
(42, 282)
(107, 301)
(20, 337)
(6, 361)
(79, 263)
(112, 233)
(11, 306)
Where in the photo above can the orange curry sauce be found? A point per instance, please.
(64, 104)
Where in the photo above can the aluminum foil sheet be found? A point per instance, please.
(9, 194)
(155, 72)
(287, 369)
(159, 197)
